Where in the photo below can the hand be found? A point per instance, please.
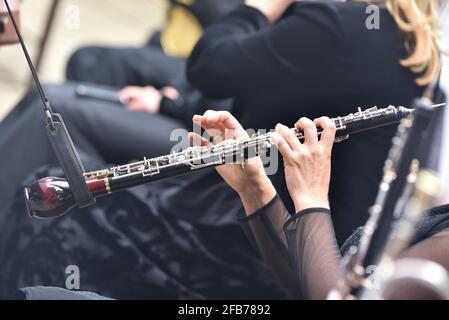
(307, 165)
(146, 99)
(272, 9)
(250, 181)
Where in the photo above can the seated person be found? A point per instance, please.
(160, 62)
(301, 249)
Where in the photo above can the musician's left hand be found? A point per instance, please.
(250, 181)
(307, 165)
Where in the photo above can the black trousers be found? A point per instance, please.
(120, 67)
(100, 130)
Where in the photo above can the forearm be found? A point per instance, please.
(316, 253)
(264, 227)
(257, 195)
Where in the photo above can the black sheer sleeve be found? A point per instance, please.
(301, 250)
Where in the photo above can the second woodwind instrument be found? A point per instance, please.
(393, 269)
(51, 197)
(400, 169)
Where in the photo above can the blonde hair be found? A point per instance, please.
(419, 19)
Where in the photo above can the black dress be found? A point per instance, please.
(319, 59)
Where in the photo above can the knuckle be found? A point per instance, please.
(305, 153)
(297, 157)
(314, 152)
(307, 122)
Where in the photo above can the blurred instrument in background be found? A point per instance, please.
(7, 32)
(394, 270)
(102, 94)
(404, 195)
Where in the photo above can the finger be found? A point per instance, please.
(329, 131)
(201, 121)
(229, 121)
(170, 92)
(225, 122)
(289, 137)
(213, 128)
(197, 140)
(309, 129)
(129, 91)
(134, 104)
(282, 145)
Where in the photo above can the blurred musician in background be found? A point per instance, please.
(152, 80)
(162, 61)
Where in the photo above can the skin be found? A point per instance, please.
(147, 99)
(272, 9)
(307, 165)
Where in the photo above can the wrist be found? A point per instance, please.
(302, 203)
(255, 185)
(257, 194)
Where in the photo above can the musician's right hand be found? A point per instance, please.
(249, 181)
(307, 165)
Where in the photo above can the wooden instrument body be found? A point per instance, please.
(7, 32)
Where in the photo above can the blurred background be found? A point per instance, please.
(76, 23)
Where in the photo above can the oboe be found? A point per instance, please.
(51, 197)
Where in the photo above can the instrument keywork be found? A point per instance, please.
(51, 197)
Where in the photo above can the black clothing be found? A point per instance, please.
(435, 221)
(147, 66)
(134, 245)
(162, 240)
(319, 59)
(303, 253)
(120, 67)
(208, 11)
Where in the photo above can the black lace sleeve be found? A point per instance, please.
(301, 250)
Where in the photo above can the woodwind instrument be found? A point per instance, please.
(400, 172)
(51, 197)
